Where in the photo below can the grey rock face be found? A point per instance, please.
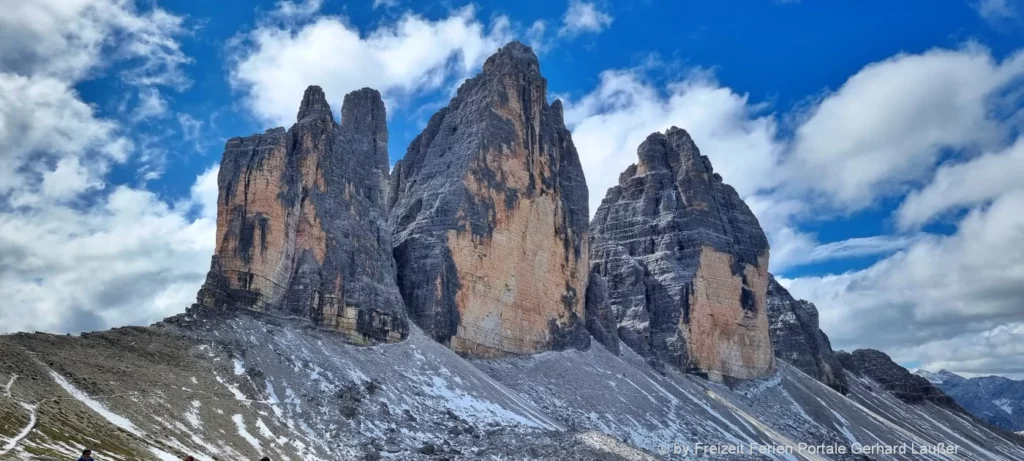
(996, 400)
(601, 320)
(301, 228)
(686, 263)
(489, 209)
(903, 384)
(797, 339)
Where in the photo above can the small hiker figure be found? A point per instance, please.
(265, 458)
(86, 455)
(189, 458)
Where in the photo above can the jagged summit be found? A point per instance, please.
(314, 104)
(514, 56)
(489, 208)
(300, 223)
(686, 263)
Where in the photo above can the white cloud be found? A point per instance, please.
(965, 184)
(275, 63)
(191, 130)
(940, 289)
(151, 104)
(996, 11)
(292, 10)
(584, 17)
(610, 122)
(78, 252)
(885, 128)
(129, 259)
(65, 39)
(42, 121)
(384, 3)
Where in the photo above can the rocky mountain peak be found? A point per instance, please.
(489, 208)
(300, 223)
(314, 105)
(514, 57)
(686, 263)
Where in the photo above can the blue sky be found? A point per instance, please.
(877, 145)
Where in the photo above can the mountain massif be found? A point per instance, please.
(464, 307)
(995, 399)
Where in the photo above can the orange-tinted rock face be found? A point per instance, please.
(300, 223)
(490, 215)
(686, 264)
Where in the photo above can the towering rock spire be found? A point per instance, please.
(797, 339)
(301, 230)
(489, 208)
(686, 263)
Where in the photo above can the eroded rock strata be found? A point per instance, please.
(797, 339)
(903, 384)
(489, 209)
(301, 228)
(686, 263)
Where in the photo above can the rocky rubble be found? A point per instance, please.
(301, 225)
(489, 209)
(797, 339)
(686, 263)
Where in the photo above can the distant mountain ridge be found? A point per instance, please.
(995, 399)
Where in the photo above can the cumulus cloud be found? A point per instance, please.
(45, 126)
(964, 184)
(885, 128)
(274, 63)
(932, 300)
(78, 252)
(130, 259)
(584, 17)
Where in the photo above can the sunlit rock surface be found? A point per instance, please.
(489, 209)
(301, 227)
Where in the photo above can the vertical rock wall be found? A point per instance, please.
(797, 339)
(301, 228)
(489, 209)
(686, 263)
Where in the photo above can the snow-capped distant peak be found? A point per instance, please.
(933, 378)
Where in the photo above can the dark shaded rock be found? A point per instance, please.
(489, 209)
(601, 321)
(686, 263)
(797, 339)
(903, 384)
(300, 223)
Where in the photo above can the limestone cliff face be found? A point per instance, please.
(301, 229)
(797, 339)
(686, 263)
(489, 209)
